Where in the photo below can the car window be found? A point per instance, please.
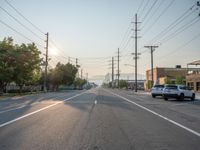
(183, 87)
(158, 86)
(188, 88)
(171, 87)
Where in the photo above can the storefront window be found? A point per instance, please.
(191, 85)
(198, 86)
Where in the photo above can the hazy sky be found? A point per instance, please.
(92, 30)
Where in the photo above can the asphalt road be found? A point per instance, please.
(98, 119)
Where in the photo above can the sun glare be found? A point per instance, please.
(53, 51)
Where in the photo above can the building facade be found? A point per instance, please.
(193, 80)
(161, 75)
(193, 76)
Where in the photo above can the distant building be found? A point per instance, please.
(193, 76)
(140, 84)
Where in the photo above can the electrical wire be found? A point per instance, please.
(141, 4)
(180, 30)
(126, 35)
(148, 12)
(37, 28)
(22, 35)
(157, 19)
(145, 5)
(181, 47)
(172, 25)
(27, 28)
(153, 13)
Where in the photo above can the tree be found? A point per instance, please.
(179, 80)
(123, 84)
(62, 75)
(167, 80)
(78, 82)
(149, 84)
(7, 59)
(69, 75)
(27, 64)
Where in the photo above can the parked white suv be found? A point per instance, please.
(157, 90)
(178, 91)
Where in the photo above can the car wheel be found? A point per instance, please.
(193, 97)
(181, 97)
(153, 96)
(165, 98)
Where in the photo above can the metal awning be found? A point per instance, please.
(194, 63)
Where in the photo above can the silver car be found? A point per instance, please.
(157, 90)
(178, 91)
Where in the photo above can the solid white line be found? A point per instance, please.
(44, 108)
(155, 113)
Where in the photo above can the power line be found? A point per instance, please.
(172, 25)
(148, 12)
(19, 33)
(21, 23)
(145, 5)
(126, 35)
(181, 47)
(53, 43)
(150, 17)
(127, 43)
(140, 6)
(37, 28)
(180, 30)
(157, 19)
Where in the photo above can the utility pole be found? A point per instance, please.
(118, 68)
(77, 62)
(152, 48)
(69, 60)
(81, 73)
(87, 77)
(46, 62)
(136, 53)
(77, 66)
(112, 72)
(198, 5)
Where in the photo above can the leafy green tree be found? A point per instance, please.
(123, 84)
(167, 80)
(179, 80)
(7, 59)
(27, 64)
(78, 83)
(149, 84)
(69, 75)
(110, 84)
(62, 75)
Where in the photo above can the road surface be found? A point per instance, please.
(98, 119)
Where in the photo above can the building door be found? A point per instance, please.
(198, 86)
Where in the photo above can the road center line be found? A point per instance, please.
(39, 110)
(155, 113)
(95, 102)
